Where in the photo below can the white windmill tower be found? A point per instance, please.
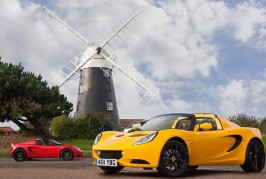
(94, 67)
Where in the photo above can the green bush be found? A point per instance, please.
(64, 127)
(100, 122)
(2, 132)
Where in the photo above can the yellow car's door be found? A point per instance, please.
(211, 144)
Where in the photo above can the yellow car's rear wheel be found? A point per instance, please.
(173, 159)
(255, 157)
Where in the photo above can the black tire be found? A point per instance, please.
(19, 155)
(193, 167)
(67, 154)
(255, 157)
(111, 170)
(173, 159)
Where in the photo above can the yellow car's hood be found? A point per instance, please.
(120, 140)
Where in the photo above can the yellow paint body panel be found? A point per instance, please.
(216, 147)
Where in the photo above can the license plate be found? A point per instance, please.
(106, 162)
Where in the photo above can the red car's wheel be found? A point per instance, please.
(67, 154)
(19, 155)
(173, 159)
(255, 157)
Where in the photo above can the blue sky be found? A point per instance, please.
(204, 56)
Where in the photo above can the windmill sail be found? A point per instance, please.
(96, 89)
(68, 75)
(53, 16)
(150, 89)
(126, 29)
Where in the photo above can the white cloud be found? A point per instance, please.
(258, 93)
(177, 43)
(233, 97)
(241, 96)
(249, 23)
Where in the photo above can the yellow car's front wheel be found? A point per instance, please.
(173, 159)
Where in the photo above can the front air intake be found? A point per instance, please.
(110, 154)
(139, 161)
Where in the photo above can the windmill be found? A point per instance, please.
(94, 67)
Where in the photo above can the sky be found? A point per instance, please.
(203, 55)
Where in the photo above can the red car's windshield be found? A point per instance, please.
(53, 142)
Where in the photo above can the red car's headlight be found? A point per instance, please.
(77, 148)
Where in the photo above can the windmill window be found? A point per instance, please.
(106, 73)
(81, 90)
(109, 106)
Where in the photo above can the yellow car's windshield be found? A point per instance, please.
(164, 122)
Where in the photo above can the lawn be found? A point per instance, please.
(5, 143)
(84, 144)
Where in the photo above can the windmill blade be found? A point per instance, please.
(124, 31)
(52, 15)
(64, 72)
(72, 67)
(151, 90)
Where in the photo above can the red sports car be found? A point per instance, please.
(35, 149)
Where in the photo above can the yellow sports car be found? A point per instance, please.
(175, 143)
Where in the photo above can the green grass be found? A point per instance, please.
(4, 153)
(6, 140)
(83, 144)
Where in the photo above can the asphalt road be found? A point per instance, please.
(83, 168)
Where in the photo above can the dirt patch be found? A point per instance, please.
(6, 140)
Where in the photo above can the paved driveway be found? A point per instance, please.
(57, 169)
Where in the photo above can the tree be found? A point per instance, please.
(26, 97)
(263, 126)
(244, 120)
(63, 127)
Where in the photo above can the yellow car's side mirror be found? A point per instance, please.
(196, 128)
(136, 128)
(206, 126)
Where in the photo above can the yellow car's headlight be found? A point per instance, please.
(97, 139)
(146, 139)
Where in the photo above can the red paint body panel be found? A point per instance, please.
(34, 149)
